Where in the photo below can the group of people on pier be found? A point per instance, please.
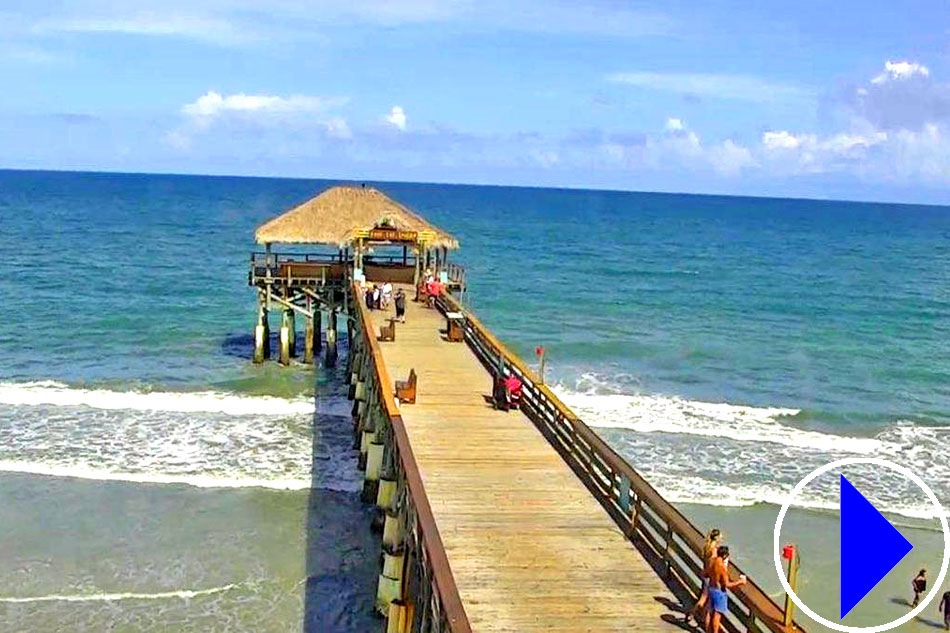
(380, 296)
(713, 602)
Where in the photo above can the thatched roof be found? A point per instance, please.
(334, 216)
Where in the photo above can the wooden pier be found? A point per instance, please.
(503, 521)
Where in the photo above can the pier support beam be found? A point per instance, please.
(261, 336)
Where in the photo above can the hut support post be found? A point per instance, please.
(415, 276)
(261, 334)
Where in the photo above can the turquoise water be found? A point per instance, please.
(726, 346)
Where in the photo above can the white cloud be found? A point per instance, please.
(213, 104)
(780, 140)
(713, 85)
(898, 71)
(397, 117)
(298, 114)
(338, 128)
(217, 30)
(674, 124)
(895, 128)
(904, 96)
(810, 153)
(729, 159)
(239, 22)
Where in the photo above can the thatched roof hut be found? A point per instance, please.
(339, 215)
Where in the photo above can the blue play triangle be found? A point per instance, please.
(870, 547)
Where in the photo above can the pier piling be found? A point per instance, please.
(317, 326)
(286, 325)
(292, 316)
(308, 342)
(331, 351)
(261, 336)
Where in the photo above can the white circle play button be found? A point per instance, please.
(863, 521)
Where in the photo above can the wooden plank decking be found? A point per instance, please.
(529, 547)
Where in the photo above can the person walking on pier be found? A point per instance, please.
(919, 585)
(713, 540)
(400, 302)
(387, 294)
(945, 609)
(719, 583)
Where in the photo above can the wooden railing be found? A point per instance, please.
(450, 613)
(662, 533)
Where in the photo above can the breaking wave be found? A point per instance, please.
(60, 394)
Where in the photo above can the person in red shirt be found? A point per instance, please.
(433, 290)
(514, 387)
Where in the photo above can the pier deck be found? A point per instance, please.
(528, 545)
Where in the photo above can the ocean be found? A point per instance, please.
(153, 479)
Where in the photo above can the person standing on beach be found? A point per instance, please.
(709, 553)
(919, 585)
(945, 609)
(718, 584)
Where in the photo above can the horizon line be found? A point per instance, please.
(470, 184)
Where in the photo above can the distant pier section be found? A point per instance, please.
(493, 519)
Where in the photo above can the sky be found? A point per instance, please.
(846, 100)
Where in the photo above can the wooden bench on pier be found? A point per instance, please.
(387, 332)
(406, 389)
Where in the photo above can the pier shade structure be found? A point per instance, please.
(344, 233)
(501, 521)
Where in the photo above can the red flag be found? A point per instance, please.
(539, 350)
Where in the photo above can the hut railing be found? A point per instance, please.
(456, 274)
(390, 260)
(662, 533)
(290, 267)
(435, 563)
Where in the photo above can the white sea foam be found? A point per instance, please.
(111, 597)
(666, 414)
(195, 442)
(79, 471)
(60, 394)
(732, 455)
